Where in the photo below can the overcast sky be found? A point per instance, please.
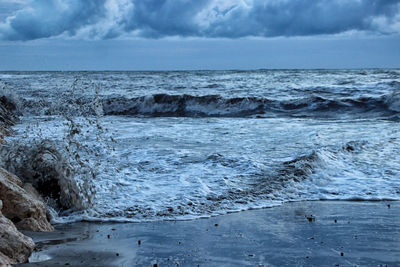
(198, 34)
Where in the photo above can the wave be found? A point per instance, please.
(85, 103)
(259, 190)
(264, 188)
(288, 180)
(160, 105)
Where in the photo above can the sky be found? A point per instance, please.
(198, 34)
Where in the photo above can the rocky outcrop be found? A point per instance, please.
(20, 206)
(14, 246)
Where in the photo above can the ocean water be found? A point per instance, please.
(191, 144)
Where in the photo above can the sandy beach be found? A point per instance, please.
(319, 233)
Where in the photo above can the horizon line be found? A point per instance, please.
(183, 70)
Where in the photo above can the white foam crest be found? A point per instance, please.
(352, 174)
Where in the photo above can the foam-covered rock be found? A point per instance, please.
(23, 208)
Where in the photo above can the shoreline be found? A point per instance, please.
(309, 233)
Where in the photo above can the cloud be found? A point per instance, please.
(104, 19)
(41, 19)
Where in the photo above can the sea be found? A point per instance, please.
(136, 146)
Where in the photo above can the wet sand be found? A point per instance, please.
(318, 233)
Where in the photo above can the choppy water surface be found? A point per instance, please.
(168, 145)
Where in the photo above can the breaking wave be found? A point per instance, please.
(217, 106)
(263, 188)
(165, 105)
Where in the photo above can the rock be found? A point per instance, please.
(4, 261)
(14, 246)
(310, 218)
(23, 208)
(28, 187)
(10, 177)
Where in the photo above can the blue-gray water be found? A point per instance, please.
(176, 145)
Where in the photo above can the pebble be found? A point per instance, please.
(310, 218)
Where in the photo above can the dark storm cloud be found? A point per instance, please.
(156, 18)
(43, 18)
(302, 18)
(102, 19)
